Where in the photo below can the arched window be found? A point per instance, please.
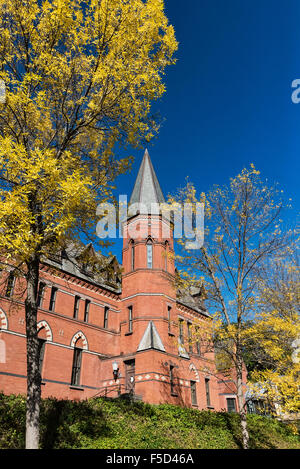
(149, 254)
(42, 344)
(76, 367)
(79, 343)
(44, 335)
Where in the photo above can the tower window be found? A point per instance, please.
(129, 318)
(169, 319)
(149, 254)
(166, 255)
(132, 255)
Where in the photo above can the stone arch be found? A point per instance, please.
(3, 320)
(44, 324)
(79, 335)
(194, 369)
(149, 240)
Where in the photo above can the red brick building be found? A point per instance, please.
(107, 329)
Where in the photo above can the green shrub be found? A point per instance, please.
(119, 424)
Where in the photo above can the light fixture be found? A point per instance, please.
(115, 367)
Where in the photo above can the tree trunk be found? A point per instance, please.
(33, 373)
(241, 403)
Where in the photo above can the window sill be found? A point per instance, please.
(171, 334)
(210, 407)
(174, 394)
(43, 383)
(128, 333)
(78, 388)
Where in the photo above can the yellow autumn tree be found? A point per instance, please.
(79, 81)
(241, 230)
(274, 336)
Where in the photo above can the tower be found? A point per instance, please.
(148, 293)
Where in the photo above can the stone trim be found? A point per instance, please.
(3, 320)
(78, 335)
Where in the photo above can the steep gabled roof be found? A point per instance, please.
(84, 262)
(146, 189)
(151, 339)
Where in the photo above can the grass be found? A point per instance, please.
(118, 424)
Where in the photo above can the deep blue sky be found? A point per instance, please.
(228, 99)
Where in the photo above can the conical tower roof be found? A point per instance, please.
(146, 190)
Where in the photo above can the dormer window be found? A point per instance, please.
(149, 254)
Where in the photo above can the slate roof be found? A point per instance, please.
(146, 188)
(84, 262)
(192, 298)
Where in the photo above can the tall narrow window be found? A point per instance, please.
(166, 255)
(105, 323)
(197, 341)
(10, 284)
(129, 318)
(207, 392)
(149, 254)
(169, 320)
(42, 343)
(40, 295)
(52, 298)
(189, 326)
(86, 310)
(181, 338)
(76, 368)
(76, 307)
(132, 255)
(193, 393)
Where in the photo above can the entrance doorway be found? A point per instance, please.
(130, 376)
